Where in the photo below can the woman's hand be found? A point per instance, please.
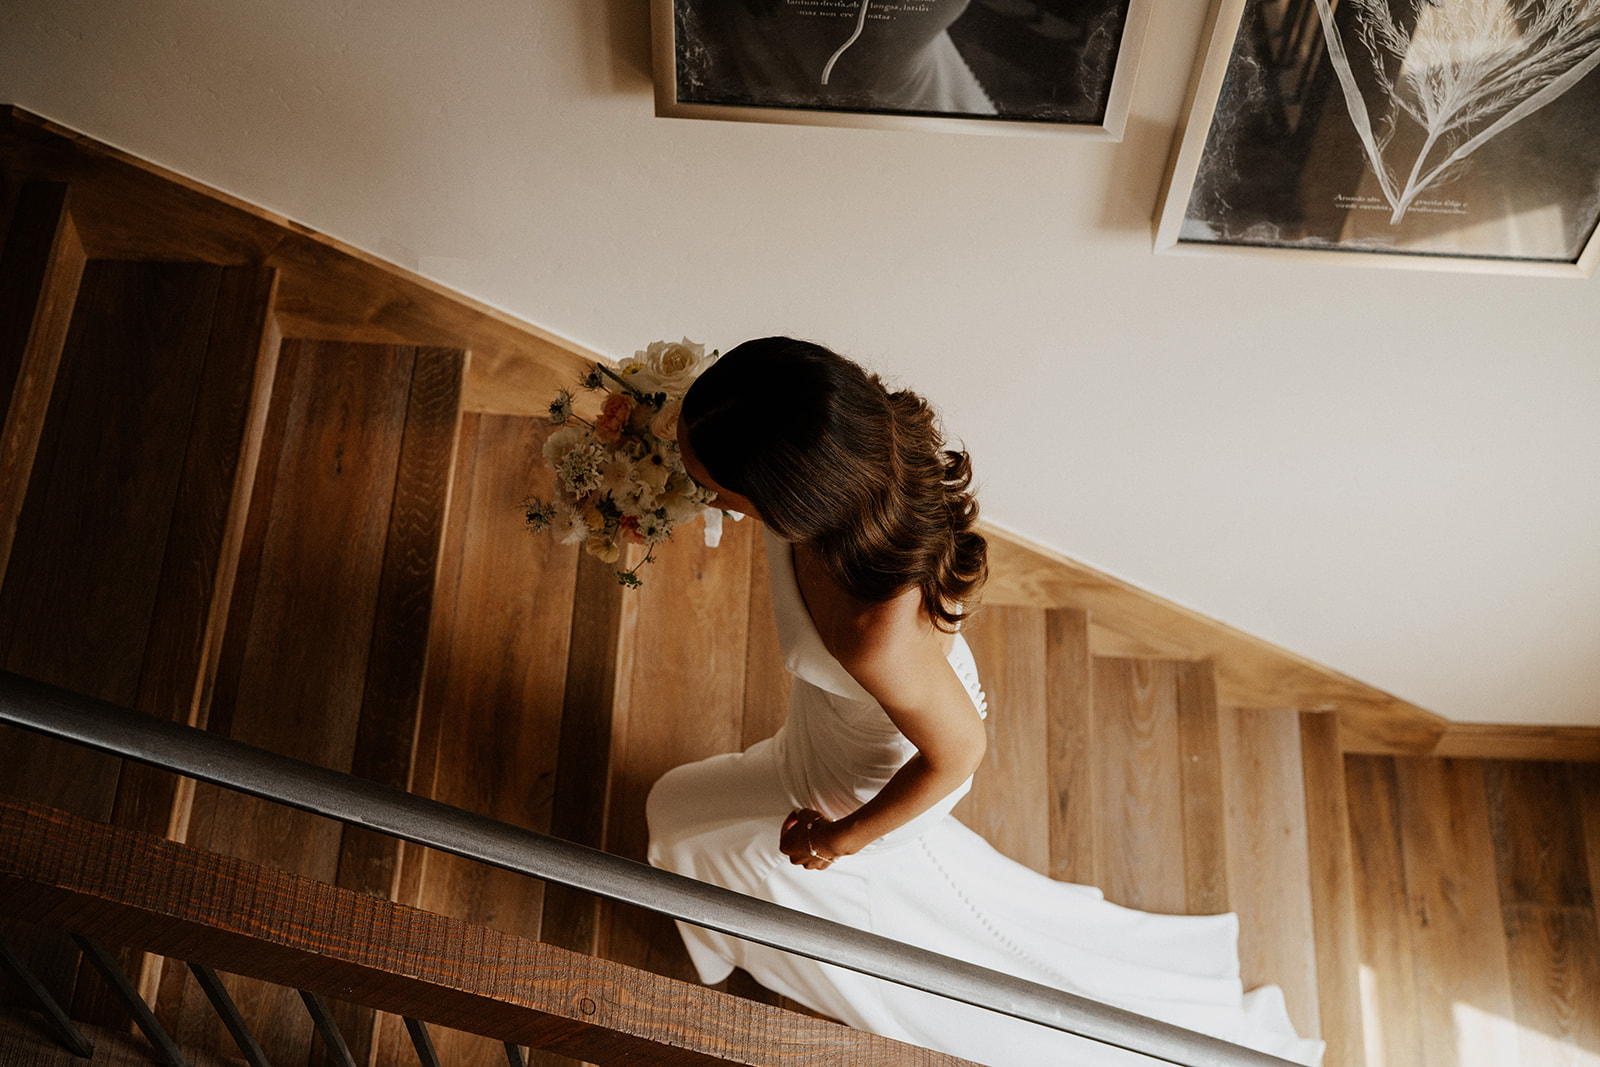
(808, 839)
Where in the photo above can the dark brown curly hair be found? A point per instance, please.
(834, 460)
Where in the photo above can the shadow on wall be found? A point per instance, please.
(619, 32)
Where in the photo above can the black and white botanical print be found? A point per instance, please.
(1456, 127)
(1463, 71)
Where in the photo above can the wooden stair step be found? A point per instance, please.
(1154, 742)
(328, 628)
(1009, 805)
(1475, 883)
(1269, 866)
(120, 565)
(492, 735)
(683, 678)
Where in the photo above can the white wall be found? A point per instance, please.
(1395, 473)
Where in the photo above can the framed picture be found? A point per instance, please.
(1439, 134)
(982, 66)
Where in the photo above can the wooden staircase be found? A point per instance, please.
(266, 485)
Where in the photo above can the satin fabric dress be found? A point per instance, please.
(932, 883)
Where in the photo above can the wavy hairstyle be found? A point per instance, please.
(834, 460)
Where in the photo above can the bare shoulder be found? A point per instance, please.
(886, 646)
(897, 654)
(894, 629)
(857, 631)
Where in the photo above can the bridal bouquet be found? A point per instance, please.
(619, 479)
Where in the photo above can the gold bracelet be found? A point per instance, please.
(809, 846)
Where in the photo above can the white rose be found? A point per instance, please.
(670, 367)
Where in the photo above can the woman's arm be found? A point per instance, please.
(899, 658)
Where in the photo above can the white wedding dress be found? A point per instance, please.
(932, 883)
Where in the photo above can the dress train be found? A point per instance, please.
(932, 883)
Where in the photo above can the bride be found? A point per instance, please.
(845, 812)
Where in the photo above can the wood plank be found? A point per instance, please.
(391, 1041)
(1250, 672)
(332, 291)
(1107, 640)
(583, 781)
(218, 709)
(391, 701)
(766, 679)
(684, 702)
(78, 600)
(1538, 840)
(246, 918)
(493, 707)
(1547, 903)
(1391, 728)
(201, 555)
(397, 658)
(1074, 821)
(1333, 903)
(1454, 909)
(1268, 857)
(300, 642)
(40, 270)
(1205, 820)
(1009, 805)
(1554, 976)
(203, 540)
(1388, 969)
(304, 637)
(1137, 784)
(1474, 740)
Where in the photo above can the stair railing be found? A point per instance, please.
(221, 761)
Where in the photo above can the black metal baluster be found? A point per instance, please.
(228, 1012)
(111, 971)
(515, 1055)
(69, 1035)
(331, 1037)
(424, 1044)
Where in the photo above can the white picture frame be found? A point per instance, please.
(1351, 154)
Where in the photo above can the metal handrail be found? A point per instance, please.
(234, 765)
